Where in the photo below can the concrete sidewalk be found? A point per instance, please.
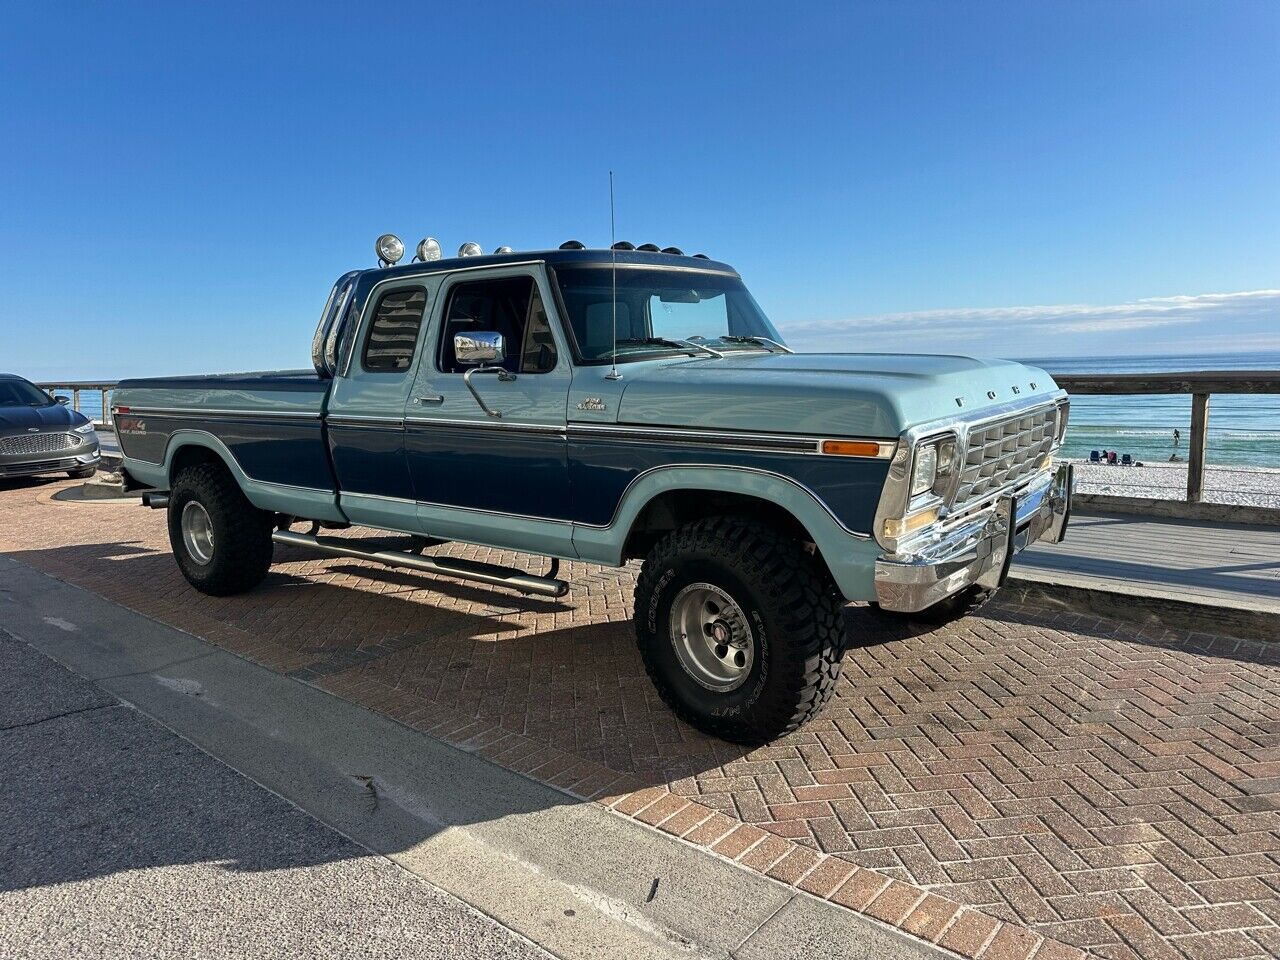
(120, 839)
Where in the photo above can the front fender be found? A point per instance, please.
(851, 555)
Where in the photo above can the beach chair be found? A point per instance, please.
(1095, 457)
(1126, 461)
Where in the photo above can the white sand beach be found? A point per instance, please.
(1250, 486)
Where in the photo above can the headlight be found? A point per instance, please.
(925, 470)
(85, 428)
(935, 462)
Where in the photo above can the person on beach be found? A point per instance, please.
(1177, 435)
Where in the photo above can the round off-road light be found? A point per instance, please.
(674, 251)
(573, 245)
(504, 250)
(471, 249)
(389, 249)
(623, 245)
(428, 250)
(649, 248)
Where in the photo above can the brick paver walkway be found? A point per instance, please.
(1095, 784)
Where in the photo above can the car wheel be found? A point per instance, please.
(221, 541)
(740, 628)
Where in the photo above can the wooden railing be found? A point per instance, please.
(1201, 385)
(74, 388)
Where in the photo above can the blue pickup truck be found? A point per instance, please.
(609, 406)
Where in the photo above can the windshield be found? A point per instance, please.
(657, 309)
(19, 393)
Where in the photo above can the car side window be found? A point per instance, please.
(393, 333)
(511, 306)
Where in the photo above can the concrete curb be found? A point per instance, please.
(1150, 608)
(1097, 503)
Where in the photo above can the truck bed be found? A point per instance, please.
(271, 423)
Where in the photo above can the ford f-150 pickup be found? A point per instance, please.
(608, 406)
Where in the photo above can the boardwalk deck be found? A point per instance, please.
(1233, 564)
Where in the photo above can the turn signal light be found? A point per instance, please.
(895, 528)
(851, 448)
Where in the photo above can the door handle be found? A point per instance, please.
(431, 398)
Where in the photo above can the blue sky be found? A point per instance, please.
(180, 185)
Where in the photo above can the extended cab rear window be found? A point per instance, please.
(393, 334)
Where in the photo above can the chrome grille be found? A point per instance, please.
(37, 443)
(1000, 454)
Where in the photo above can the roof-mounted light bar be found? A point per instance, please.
(390, 249)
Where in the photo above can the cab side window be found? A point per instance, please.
(511, 306)
(393, 333)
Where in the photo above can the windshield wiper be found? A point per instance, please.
(665, 342)
(763, 341)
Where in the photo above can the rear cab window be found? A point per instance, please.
(393, 333)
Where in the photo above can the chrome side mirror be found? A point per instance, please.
(61, 399)
(479, 350)
(481, 347)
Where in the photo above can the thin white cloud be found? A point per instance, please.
(1233, 309)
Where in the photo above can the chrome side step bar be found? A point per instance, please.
(547, 586)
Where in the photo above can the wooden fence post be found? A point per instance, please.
(1199, 440)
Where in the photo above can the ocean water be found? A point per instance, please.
(1244, 429)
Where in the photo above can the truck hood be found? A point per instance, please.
(52, 417)
(843, 394)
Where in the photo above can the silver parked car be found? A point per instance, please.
(39, 434)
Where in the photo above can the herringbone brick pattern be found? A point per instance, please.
(1108, 787)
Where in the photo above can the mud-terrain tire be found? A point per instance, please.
(237, 552)
(955, 607)
(83, 473)
(781, 594)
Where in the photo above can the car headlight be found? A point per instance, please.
(935, 462)
(925, 470)
(86, 428)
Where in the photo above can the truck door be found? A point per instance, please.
(489, 466)
(365, 416)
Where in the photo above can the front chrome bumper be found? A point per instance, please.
(977, 551)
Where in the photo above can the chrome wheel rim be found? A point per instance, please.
(711, 636)
(197, 533)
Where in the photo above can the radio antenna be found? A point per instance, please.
(613, 373)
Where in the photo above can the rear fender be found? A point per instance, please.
(277, 497)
